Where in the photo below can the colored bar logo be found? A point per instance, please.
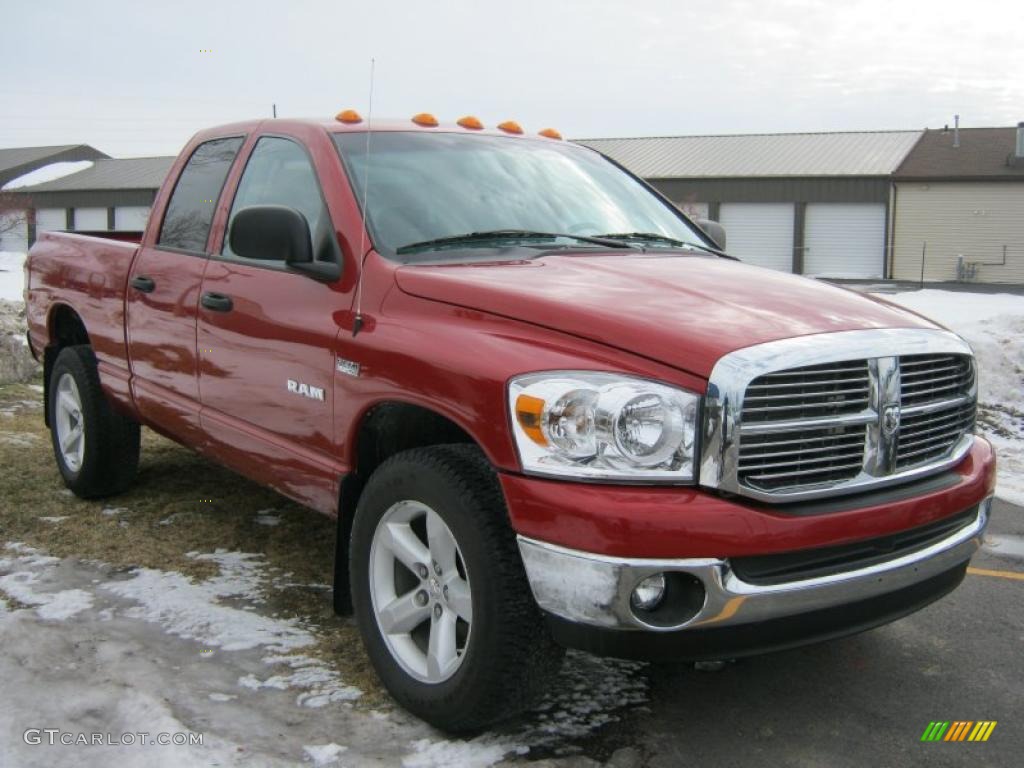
(959, 730)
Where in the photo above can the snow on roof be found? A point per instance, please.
(48, 173)
(111, 173)
(860, 153)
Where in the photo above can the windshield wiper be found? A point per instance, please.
(507, 234)
(654, 237)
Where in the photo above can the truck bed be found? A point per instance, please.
(88, 274)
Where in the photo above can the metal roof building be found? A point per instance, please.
(869, 153)
(812, 203)
(112, 194)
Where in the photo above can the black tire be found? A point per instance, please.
(111, 440)
(510, 655)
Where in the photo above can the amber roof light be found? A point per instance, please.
(550, 133)
(473, 123)
(425, 119)
(348, 116)
(510, 126)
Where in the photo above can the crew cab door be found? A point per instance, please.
(162, 295)
(266, 339)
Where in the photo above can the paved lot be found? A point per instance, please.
(865, 700)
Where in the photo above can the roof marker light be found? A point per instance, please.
(473, 123)
(425, 119)
(348, 116)
(550, 133)
(510, 126)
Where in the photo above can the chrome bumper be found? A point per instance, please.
(595, 589)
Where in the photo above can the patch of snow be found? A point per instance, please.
(993, 324)
(577, 704)
(24, 586)
(262, 518)
(324, 754)
(193, 611)
(222, 697)
(321, 685)
(12, 275)
(112, 511)
(30, 555)
(54, 520)
(481, 752)
(196, 611)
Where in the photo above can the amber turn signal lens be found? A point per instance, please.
(348, 116)
(528, 412)
(510, 126)
(550, 133)
(425, 119)
(471, 122)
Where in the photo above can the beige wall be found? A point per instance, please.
(953, 218)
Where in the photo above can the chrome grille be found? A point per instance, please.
(813, 391)
(927, 378)
(836, 413)
(936, 408)
(805, 457)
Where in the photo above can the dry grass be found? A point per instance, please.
(180, 503)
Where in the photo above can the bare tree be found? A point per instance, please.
(13, 211)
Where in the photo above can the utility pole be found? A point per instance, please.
(274, 107)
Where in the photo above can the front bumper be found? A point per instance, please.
(595, 590)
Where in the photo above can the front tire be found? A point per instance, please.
(96, 448)
(440, 594)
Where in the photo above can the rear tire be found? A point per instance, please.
(96, 448)
(461, 658)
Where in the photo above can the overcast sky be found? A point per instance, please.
(132, 79)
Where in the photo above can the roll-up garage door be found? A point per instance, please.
(845, 240)
(131, 218)
(759, 233)
(48, 219)
(90, 219)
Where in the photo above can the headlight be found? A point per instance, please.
(604, 426)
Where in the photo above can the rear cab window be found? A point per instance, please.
(186, 224)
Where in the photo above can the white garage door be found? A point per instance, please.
(759, 233)
(48, 219)
(131, 218)
(845, 240)
(14, 231)
(90, 219)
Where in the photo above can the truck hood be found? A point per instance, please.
(684, 311)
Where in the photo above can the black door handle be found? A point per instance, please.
(217, 302)
(143, 284)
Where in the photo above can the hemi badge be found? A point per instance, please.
(347, 367)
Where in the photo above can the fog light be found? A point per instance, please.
(649, 593)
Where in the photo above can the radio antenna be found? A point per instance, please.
(357, 322)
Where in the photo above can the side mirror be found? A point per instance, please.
(714, 230)
(271, 233)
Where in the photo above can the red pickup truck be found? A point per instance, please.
(543, 405)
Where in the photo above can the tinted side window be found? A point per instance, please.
(279, 173)
(190, 211)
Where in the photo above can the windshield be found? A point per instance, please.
(424, 187)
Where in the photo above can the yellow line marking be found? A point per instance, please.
(997, 574)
